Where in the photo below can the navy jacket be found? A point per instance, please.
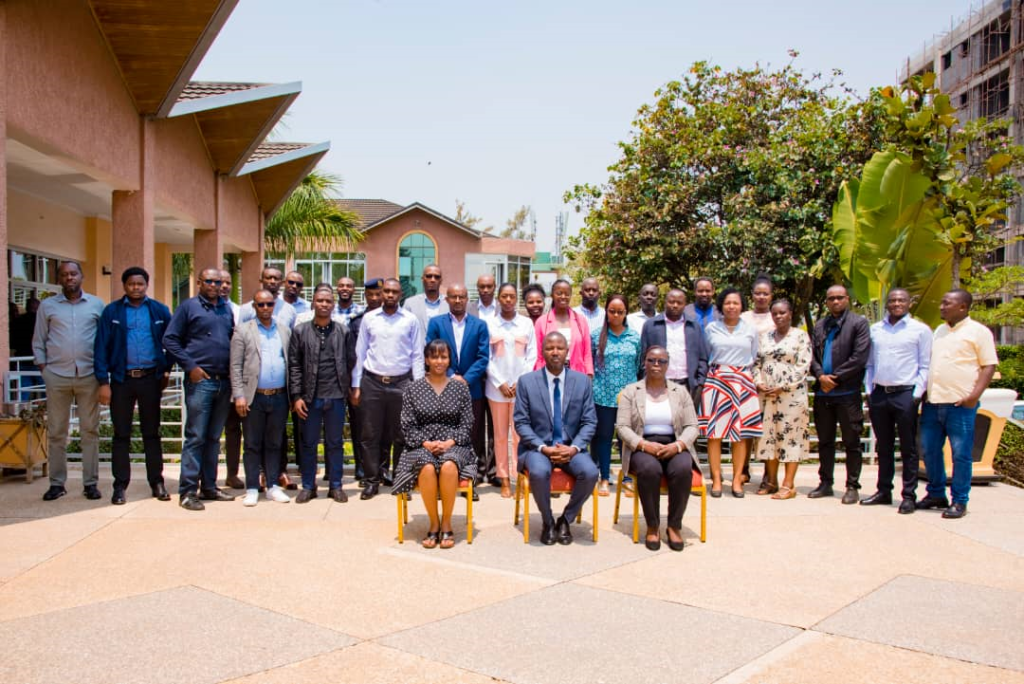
(475, 352)
(199, 335)
(110, 360)
(654, 335)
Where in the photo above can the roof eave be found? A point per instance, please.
(238, 97)
(285, 157)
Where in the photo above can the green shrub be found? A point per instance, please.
(1009, 461)
(1011, 368)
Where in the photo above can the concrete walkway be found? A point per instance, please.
(783, 591)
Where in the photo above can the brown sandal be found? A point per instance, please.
(784, 493)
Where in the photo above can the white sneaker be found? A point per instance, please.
(277, 494)
(252, 496)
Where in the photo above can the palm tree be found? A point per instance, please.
(308, 218)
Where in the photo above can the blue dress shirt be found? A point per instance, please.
(900, 355)
(272, 366)
(140, 337)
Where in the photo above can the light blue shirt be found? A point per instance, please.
(900, 355)
(595, 318)
(140, 336)
(284, 313)
(389, 344)
(301, 306)
(271, 358)
(65, 334)
(736, 348)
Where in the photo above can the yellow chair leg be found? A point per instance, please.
(519, 491)
(469, 514)
(636, 514)
(618, 498)
(596, 518)
(704, 514)
(526, 510)
(401, 514)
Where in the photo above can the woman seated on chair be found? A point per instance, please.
(658, 426)
(437, 421)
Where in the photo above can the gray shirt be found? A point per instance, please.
(66, 334)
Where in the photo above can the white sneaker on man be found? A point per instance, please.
(277, 494)
(252, 496)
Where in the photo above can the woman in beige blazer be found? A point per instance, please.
(658, 426)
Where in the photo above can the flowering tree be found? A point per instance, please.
(729, 174)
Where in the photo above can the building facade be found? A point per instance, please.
(979, 62)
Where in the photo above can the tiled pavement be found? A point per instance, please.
(783, 591)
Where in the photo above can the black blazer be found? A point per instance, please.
(850, 351)
(654, 335)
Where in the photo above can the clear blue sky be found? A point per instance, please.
(512, 104)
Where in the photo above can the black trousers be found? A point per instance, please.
(895, 413)
(647, 473)
(355, 430)
(233, 442)
(380, 406)
(263, 433)
(847, 411)
(124, 396)
(484, 449)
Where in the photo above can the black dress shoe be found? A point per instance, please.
(234, 482)
(907, 506)
(369, 491)
(820, 491)
(675, 546)
(547, 535)
(92, 492)
(191, 502)
(338, 494)
(878, 499)
(117, 498)
(957, 510)
(385, 479)
(851, 496)
(160, 492)
(362, 480)
(305, 496)
(653, 544)
(54, 493)
(562, 531)
(932, 502)
(216, 495)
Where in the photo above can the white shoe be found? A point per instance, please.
(252, 496)
(277, 494)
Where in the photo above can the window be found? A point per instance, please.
(327, 267)
(519, 271)
(947, 60)
(31, 275)
(415, 252)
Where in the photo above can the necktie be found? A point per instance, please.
(556, 438)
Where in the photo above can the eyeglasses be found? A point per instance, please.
(211, 281)
(658, 362)
(263, 305)
(296, 282)
(431, 276)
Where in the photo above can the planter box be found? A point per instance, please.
(22, 445)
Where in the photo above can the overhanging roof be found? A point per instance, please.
(277, 169)
(158, 44)
(234, 118)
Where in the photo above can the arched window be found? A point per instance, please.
(415, 251)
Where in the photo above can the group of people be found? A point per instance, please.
(438, 390)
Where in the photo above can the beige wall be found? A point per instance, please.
(38, 226)
(381, 245)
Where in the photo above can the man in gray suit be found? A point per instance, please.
(259, 387)
(555, 418)
(429, 304)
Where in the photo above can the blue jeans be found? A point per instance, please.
(330, 413)
(206, 404)
(939, 421)
(601, 445)
(263, 429)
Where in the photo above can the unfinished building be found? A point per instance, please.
(979, 63)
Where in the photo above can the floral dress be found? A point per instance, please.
(428, 416)
(784, 364)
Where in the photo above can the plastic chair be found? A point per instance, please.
(561, 483)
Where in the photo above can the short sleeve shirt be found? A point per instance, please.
(958, 354)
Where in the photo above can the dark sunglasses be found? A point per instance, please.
(431, 276)
(296, 282)
(263, 305)
(211, 281)
(658, 362)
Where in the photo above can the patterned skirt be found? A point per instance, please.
(407, 472)
(729, 407)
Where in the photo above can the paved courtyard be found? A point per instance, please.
(783, 591)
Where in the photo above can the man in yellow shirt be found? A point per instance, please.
(963, 362)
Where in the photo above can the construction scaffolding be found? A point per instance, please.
(979, 62)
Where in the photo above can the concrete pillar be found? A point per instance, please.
(207, 250)
(252, 265)
(160, 280)
(5, 323)
(97, 275)
(133, 215)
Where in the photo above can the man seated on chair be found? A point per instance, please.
(555, 418)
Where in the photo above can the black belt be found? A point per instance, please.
(139, 372)
(269, 392)
(389, 379)
(893, 389)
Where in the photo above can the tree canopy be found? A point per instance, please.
(729, 174)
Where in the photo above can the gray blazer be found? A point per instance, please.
(245, 359)
(630, 420)
(416, 305)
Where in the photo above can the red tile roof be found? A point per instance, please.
(197, 90)
(272, 149)
(370, 211)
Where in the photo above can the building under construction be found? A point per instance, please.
(980, 64)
